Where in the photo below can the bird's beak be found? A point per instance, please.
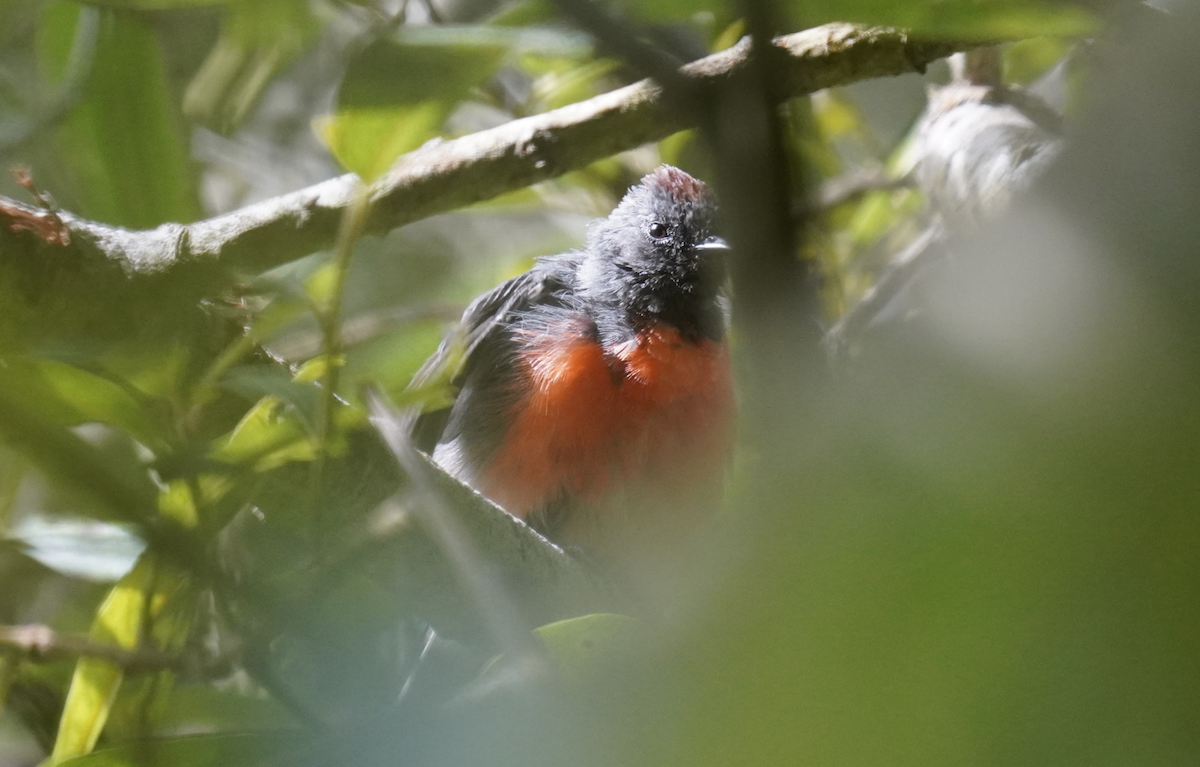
(713, 246)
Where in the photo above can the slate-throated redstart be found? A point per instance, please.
(595, 398)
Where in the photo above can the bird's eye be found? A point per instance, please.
(658, 230)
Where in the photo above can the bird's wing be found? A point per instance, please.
(475, 341)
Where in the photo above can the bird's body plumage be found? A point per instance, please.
(597, 385)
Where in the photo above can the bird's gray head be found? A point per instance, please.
(656, 257)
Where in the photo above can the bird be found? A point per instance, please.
(594, 393)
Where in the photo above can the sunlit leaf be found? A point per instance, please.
(874, 216)
(368, 141)
(150, 603)
(257, 381)
(266, 430)
(317, 368)
(566, 82)
(395, 97)
(178, 503)
(321, 285)
(580, 649)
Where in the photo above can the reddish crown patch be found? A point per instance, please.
(679, 185)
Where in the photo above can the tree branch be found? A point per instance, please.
(42, 643)
(445, 175)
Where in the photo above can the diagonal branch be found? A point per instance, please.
(445, 175)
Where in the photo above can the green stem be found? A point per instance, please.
(330, 319)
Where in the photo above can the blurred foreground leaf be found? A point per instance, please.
(237, 750)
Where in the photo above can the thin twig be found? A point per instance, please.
(39, 643)
(851, 188)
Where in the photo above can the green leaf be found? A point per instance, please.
(674, 10)
(70, 395)
(970, 19)
(543, 40)
(235, 750)
(195, 707)
(966, 19)
(257, 40)
(584, 647)
(155, 5)
(122, 141)
(1027, 60)
(149, 603)
(395, 97)
(270, 435)
(111, 480)
(368, 141)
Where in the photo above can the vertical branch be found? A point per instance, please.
(775, 294)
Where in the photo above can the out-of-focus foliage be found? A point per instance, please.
(976, 546)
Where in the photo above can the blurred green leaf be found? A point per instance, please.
(257, 381)
(970, 19)
(154, 5)
(878, 213)
(395, 97)
(122, 141)
(524, 13)
(1027, 60)
(674, 10)
(963, 19)
(236, 750)
(585, 647)
(151, 604)
(836, 116)
(368, 141)
(119, 486)
(70, 395)
(543, 40)
(580, 649)
(194, 707)
(8, 671)
(257, 40)
(566, 81)
(269, 434)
